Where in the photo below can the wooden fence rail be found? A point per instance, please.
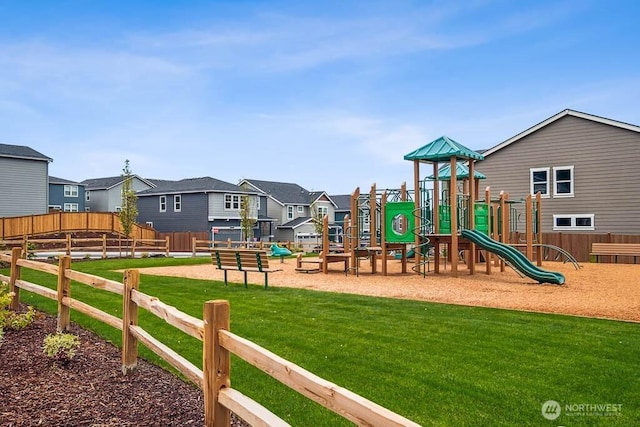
(103, 244)
(200, 246)
(218, 343)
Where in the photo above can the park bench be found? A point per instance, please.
(615, 250)
(245, 260)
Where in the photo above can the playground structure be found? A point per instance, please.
(443, 221)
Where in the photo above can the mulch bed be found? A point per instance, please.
(90, 390)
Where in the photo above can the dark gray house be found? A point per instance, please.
(65, 195)
(105, 194)
(199, 204)
(290, 206)
(24, 181)
(586, 167)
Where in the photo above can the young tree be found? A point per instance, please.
(129, 208)
(248, 218)
(316, 218)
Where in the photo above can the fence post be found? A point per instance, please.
(133, 247)
(68, 243)
(129, 318)
(64, 290)
(25, 246)
(104, 246)
(16, 253)
(193, 246)
(215, 363)
(166, 240)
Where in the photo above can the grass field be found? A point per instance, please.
(435, 364)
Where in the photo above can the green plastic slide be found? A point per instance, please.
(514, 257)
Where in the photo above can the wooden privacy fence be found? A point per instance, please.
(103, 244)
(218, 343)
(66, 222)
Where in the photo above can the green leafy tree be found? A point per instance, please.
(247, 215)
(129, 207)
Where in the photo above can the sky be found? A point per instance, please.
(327, 94)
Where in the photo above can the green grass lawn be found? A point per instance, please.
(435, 364)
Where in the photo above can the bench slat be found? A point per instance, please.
(615, 250)
(246, 260)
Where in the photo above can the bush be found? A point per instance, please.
(10, 319)
(61, 347)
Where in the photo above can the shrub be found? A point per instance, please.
(10, 319)
(61, 346)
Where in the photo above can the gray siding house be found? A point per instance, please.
(586, 167)
(105, 194)
(24, 181)
(290, 206)
(199, 204)
(65, 195)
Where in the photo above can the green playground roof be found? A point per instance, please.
(462, 172)
(443, 148)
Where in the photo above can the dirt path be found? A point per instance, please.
(596, 290)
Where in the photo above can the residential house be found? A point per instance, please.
(201, 204)
(105, 194)
(292, 208)
(24, 181)
(65, 195)
(585, 166)
(343, 208)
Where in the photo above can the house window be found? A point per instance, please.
(118, 208)
(163, 203)
(55, 207)
(300, 209)
(87, 196)
(87, 209)
(322, 211)
(149, 223)
(231, 202)
(540, 181)
(574, 222)
(70, 191)
(177, 203)
(289, 212)
(563, 181)
(71, 207)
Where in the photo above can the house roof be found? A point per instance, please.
(109, 182)
(462, 172)
(62, 181)
(342, 201)
(295, 223)
(22, 152)
(285, 192)
(443, 148)
(192, 185)
(556, 117)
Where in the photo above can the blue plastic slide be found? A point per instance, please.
(516, 258)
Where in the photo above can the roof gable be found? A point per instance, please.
(22, 152)
(556, 117)
(110, 182)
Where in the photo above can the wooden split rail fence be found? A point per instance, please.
(218, 343)
(103, 245)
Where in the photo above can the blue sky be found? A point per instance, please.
(328, 94)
